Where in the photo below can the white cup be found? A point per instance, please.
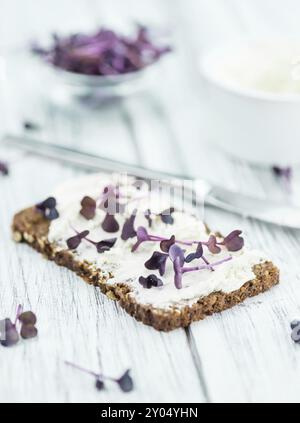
(262, 127)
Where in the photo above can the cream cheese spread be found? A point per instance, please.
(267, 66)
(126, 266)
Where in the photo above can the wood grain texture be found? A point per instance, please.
(244, 354)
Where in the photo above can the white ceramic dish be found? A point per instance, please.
(93, 89)
(256, 125)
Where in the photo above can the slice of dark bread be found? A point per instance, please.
(31, 227)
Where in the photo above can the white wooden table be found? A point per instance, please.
(244, 354)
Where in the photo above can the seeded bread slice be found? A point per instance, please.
(31, 227)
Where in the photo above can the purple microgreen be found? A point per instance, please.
(166, 216)
(48, 208)
(101, 246)
(295, 323)
(76, 240)
(208, 263)
(27, 318)
(99, 384)
(285, 174)
(205, 266)
(28, 331)
(104, 245)
(233, 241)
(142, 236)
(103, 53)
(4, 168)
(157, 262)
(295, 326)
(196, 255)
(8, 333)
(128, 230)
(28, 125)
(166, 244)
(212, 245)
(125, 382)
(176, 252)
(176, 255)
(150, 281)
(88, 208)
(110, 224)
(147, 215)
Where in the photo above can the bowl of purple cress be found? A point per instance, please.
(103, 64)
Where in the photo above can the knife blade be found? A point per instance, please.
(216, 196)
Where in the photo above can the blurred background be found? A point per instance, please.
(164, 124)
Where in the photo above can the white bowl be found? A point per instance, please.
(67, 87)
(255, 125)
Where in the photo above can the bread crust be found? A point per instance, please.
(31, 227)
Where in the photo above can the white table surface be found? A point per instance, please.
(244, 354)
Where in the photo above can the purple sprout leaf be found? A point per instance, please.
(212, 245)
(27, 318)
(105, 245)
(125, 382)
(295, 335)
(295, 323)
(233, 241)
(166, 216)
(150, 281)
(142, 236)
(29, 125)
(48, 208)
(157, 262)
(99, 384)
(110, 224)
(166, 244)
(8, 333)
(88, 208)
(177, 252)
(102, 53)
(196, 255)
(285, 172)
(128, 230)
(49, 203)
(4, 168)
(28, 331)
(75, 241)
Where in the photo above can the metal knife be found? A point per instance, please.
(262, 209)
